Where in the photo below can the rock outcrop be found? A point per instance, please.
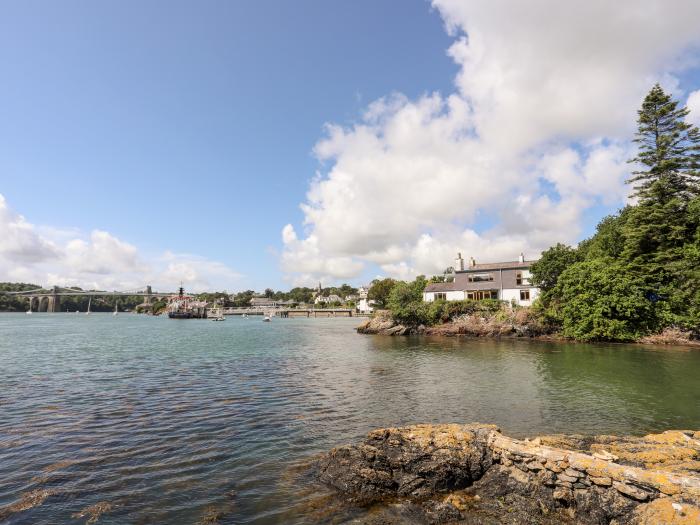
(382, 323)
(474, 474)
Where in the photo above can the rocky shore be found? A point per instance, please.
(471, 474)
(520, 324)
(382, 323)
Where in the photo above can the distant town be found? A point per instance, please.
(21, 297)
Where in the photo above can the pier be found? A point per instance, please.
(293, 312)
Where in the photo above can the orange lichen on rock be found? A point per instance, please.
(667, 512)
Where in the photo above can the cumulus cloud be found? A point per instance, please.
(19, 239)
(693, 105)
(535, 133)
(65, 257)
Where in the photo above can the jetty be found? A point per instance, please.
(292, 312)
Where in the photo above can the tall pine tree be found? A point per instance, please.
(669, 150)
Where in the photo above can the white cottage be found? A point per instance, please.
(506, 281)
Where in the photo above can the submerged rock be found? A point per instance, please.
(474, 474)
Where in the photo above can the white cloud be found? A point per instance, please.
(53, 256)
(102, 254)
(693, 105)
(536, 132)
(19, 239)
(196, 272)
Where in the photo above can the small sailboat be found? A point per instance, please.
(245, 316)
(267, 318)
(219, 315)
(89, 302)
(116, 308)
(29, 312)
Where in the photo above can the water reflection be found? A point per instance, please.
(142, 420)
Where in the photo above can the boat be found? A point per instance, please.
(29, 312)
(116, 308)
(219, 315)
(183, 306)
(267, 318)
(245, 316)
(89, 302)
(180, 315)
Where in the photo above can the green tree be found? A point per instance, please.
(601, 301)
(242, 298)
(545, 272)
(609, 240)
(379, 291)
(406, 301)
(669, 149)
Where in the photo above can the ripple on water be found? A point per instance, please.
(149, 421)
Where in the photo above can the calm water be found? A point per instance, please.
(165, 420)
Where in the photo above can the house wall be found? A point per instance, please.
(365, 306)
(513, 294)
(456, 295)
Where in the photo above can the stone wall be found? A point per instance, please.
(573, 475)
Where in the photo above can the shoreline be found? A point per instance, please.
(482, 328)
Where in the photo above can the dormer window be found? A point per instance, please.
(480, 277)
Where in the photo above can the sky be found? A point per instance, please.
(268, 143)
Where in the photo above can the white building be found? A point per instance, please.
(364, 305)
(327, 300)
(506, 281)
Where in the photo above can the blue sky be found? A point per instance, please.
(194, 129)
(190, 128)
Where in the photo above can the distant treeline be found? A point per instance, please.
(300, 294)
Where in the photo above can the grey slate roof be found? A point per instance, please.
(443, 287)
(496, 266)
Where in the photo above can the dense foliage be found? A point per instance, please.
(11, 303)
(639, 273)
(379, 291)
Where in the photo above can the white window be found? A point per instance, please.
(440, 296)
(521, 279)
(478, 295)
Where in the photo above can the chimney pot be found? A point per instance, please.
(459, 262)
(522, 257)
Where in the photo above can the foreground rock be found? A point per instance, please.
(475, 474)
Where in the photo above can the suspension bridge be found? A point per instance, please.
(49, 299)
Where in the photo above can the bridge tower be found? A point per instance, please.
(54, 304)
(147, 298)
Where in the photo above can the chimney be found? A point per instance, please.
(472, 262)
(521, 258)
(459, 263)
